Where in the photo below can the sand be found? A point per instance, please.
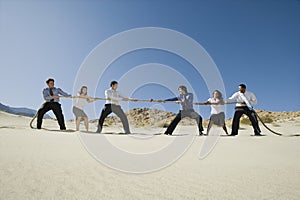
(40, 164)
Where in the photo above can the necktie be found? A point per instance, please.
(51, 94)
(246, 101)
(185, 100)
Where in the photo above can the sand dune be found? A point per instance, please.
(40, 164)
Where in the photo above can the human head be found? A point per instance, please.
(182, 89)
(217, 95)
(114, 85)
(242, 88)
(50, 82)
(83, 90)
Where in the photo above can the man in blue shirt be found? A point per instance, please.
(186, 100)
(51, 95)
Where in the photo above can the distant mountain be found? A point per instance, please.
(19, 111)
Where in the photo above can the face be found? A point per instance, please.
(51, 84)
(242, 90)
(216, 95)
(84, 91)
(181, 91)
(114, 87)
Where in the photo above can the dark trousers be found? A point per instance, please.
(111, 108)
(239, 111)
(217, 119)
(56, 108)
(182, 114)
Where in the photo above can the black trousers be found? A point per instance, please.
(56, 108)
(182, 114)
(239, 111)
(111, 108)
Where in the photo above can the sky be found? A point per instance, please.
(253, 42)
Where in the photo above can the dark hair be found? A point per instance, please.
(183, 88)
(113, 83)
(220, 94)
(49, 80)
(243, 86)
(82, 89)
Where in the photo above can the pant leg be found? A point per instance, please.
(209, 126)
(198, 118)
(40, 114)
(120, 113)
(236, 120)
(253, 120)
(56, 108)
(173, 124)
(104, 113)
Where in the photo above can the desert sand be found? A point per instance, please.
(40, 164)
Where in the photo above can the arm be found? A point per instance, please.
(109, 95)
(253, 99)
(172, 99)
(61, 92)
(46, 95)
(233, 97)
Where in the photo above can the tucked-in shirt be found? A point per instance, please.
(80, 102)
(185, 105)
(215, 109)
(113, 96)
(56, 92)
(238, 96)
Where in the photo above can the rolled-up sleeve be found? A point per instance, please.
(61, 92)
(46, 95)
(253, 99)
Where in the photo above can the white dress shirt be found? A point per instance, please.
(215, 109)
(247, 97)
(113, 96)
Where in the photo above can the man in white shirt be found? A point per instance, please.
(245, 100)
(112, 106)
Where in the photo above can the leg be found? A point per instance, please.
(198, 118)
(40, 114)
(105, 112)
(86, 123)
(254, 121)
(78, 123)
(120, 113)
(225, 129)
(209, 126)
(56, 107)
(236, 121)
(173, 124)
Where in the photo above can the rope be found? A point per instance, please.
(274, 132)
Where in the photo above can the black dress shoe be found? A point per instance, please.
(98, 131)
(200, 133)
(166, 133)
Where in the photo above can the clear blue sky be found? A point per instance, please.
(254, 42)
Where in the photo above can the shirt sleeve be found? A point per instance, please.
(109, 95)
(61, 92)
(253, 99)
(172, 99)
(233, 97)
(46, 95)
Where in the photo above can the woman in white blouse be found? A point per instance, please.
(78, 108)
(217, 111)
